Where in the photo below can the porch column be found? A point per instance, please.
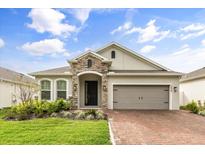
(75, 87)
(104, 91)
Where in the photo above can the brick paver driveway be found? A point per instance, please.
(157, 127)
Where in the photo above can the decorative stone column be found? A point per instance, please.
(75, 90)
(98, 65)
(104, 95)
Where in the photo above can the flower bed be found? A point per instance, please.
(43, 109)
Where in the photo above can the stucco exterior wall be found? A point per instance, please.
(172, 81)
(9, 93)
(124, 61)
(53, 80)
(192, 90)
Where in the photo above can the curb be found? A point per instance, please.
(111, 132)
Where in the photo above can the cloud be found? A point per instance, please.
(122, 28)
(183, 62)
(147, 48)
(2, 43)
(192, 31)
(182, 50)
(203, 42)
(45, 47)
(50, 20)
(130, 13)
(150, 33)
(81, 14)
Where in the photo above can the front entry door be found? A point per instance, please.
(91, 93)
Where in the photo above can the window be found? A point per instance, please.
(89, 63)
(61, 89)
(46, 90)
(113, 54)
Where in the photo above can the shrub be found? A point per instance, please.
(183, 107)
(91, 111)
(40, 108)
(4, 111)
(27, 110)
(60, 105)
(191, 107)
(202, 113)
(23, 108)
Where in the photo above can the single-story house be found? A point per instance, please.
(112, 77)
(192, 87)
(12, 85)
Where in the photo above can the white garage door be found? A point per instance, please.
(140, 97)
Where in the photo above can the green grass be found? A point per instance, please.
(53, 131)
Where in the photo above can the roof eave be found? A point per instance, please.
(192, 78)
(144, 74)
(50, 74)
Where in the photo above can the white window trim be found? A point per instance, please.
(51, 92)
(55, 87)
(167, 84)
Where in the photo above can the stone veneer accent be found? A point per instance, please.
(97, 65)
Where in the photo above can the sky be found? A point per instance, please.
(38, 39)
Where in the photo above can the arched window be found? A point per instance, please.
(61, 89)
(89, 63)
(113, 54)
(45, 90)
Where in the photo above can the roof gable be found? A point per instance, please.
(90, 53)
(133, 54)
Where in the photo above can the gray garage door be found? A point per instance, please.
(140, 97)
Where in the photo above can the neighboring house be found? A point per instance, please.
(192, 87)
(11, 84)
(113, 77)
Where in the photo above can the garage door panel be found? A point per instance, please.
(141, 97)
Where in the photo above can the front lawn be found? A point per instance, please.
(54, 131)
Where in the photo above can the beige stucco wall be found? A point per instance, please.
(9, 93)
(124, 61)
(88, 77)
(172, 81)
(192, 90)
(53, 80)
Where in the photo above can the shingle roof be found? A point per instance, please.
(56, 71)
(200, 73)
(12, 76)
